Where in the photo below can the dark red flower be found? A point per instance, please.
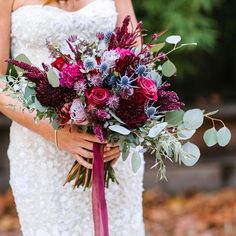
(131, 111)
(97, 96)
(60, 63)
(148, 88)
(49, 96)
(168, 100)
(64, 114)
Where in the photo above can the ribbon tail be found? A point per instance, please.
(100, 216)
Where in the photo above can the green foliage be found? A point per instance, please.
(190, 19)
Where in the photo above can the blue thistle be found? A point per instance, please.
(112, 80)
(125, 82)
(107, 36)
(90, 63)
(141, 70)
(104, 67)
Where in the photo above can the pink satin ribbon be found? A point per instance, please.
(100, 216)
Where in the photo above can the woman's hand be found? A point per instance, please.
(112, 153)
(80, 145)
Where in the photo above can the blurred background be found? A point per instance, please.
(196, 201)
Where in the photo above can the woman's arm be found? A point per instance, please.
(78, 144)
(125, 8)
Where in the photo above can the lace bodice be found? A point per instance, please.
(32, 25)
(37, 168)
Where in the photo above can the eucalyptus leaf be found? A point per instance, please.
(210, 137)
(125, 154)
(155, 130)
(38, 106)
(185, 134)
(168, 69)
(29, 91)
(174, 117)
(212, 113)
(190, 154)
(116, 117)
(136, 161)
(56, 123)
(156, 77)
(119, 129)
(223, 136)
(53, 78)
(157, 47)
(193, 119)
(173, 39)
(23, 58)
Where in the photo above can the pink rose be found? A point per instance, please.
(148, 88)
(97, 96)
(77, 113)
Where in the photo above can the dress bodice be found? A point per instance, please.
(33, 25)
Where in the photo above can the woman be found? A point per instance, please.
(37, 167)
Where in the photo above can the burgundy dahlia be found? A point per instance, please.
(131, 111)
(53, 97)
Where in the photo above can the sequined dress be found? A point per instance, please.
(37, 168)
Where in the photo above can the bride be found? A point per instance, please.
(37, 168)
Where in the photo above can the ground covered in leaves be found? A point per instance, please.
(192, 214)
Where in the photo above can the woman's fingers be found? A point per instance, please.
(114, 161)
(87, 145)
(110, 145)
(83, 162)
(90, 138)
(113, 157)
(112, 152)
(84, 153)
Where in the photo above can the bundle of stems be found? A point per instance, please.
(82, 176)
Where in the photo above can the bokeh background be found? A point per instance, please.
(196, 201)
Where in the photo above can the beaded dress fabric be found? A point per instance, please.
(37, 168)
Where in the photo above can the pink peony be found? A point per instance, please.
(70, 74)
(148, 88)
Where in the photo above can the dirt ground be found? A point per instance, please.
(191, 214)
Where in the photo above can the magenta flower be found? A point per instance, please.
(70, 74)
(77, 113)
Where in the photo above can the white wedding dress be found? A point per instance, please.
(37, 168)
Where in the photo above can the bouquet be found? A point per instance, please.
(120, 93)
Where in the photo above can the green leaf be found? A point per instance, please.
(119, 129)
(136, 162)
(193, 119)
(223, 136)
(212, 113)
(174, 117)
(157, 47)
(173, 39)
(185, 134)
(23, 58)
(168, 69)
(56, 123)
(155, 130)
(116, 117)
(190, 154)
(125, 154)
(29, 91)
(210, 137)
(38, 106)
(53, 78)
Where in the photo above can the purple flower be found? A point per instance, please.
(113, 102)
(96, 80)
(80, 86)
(102, 114)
